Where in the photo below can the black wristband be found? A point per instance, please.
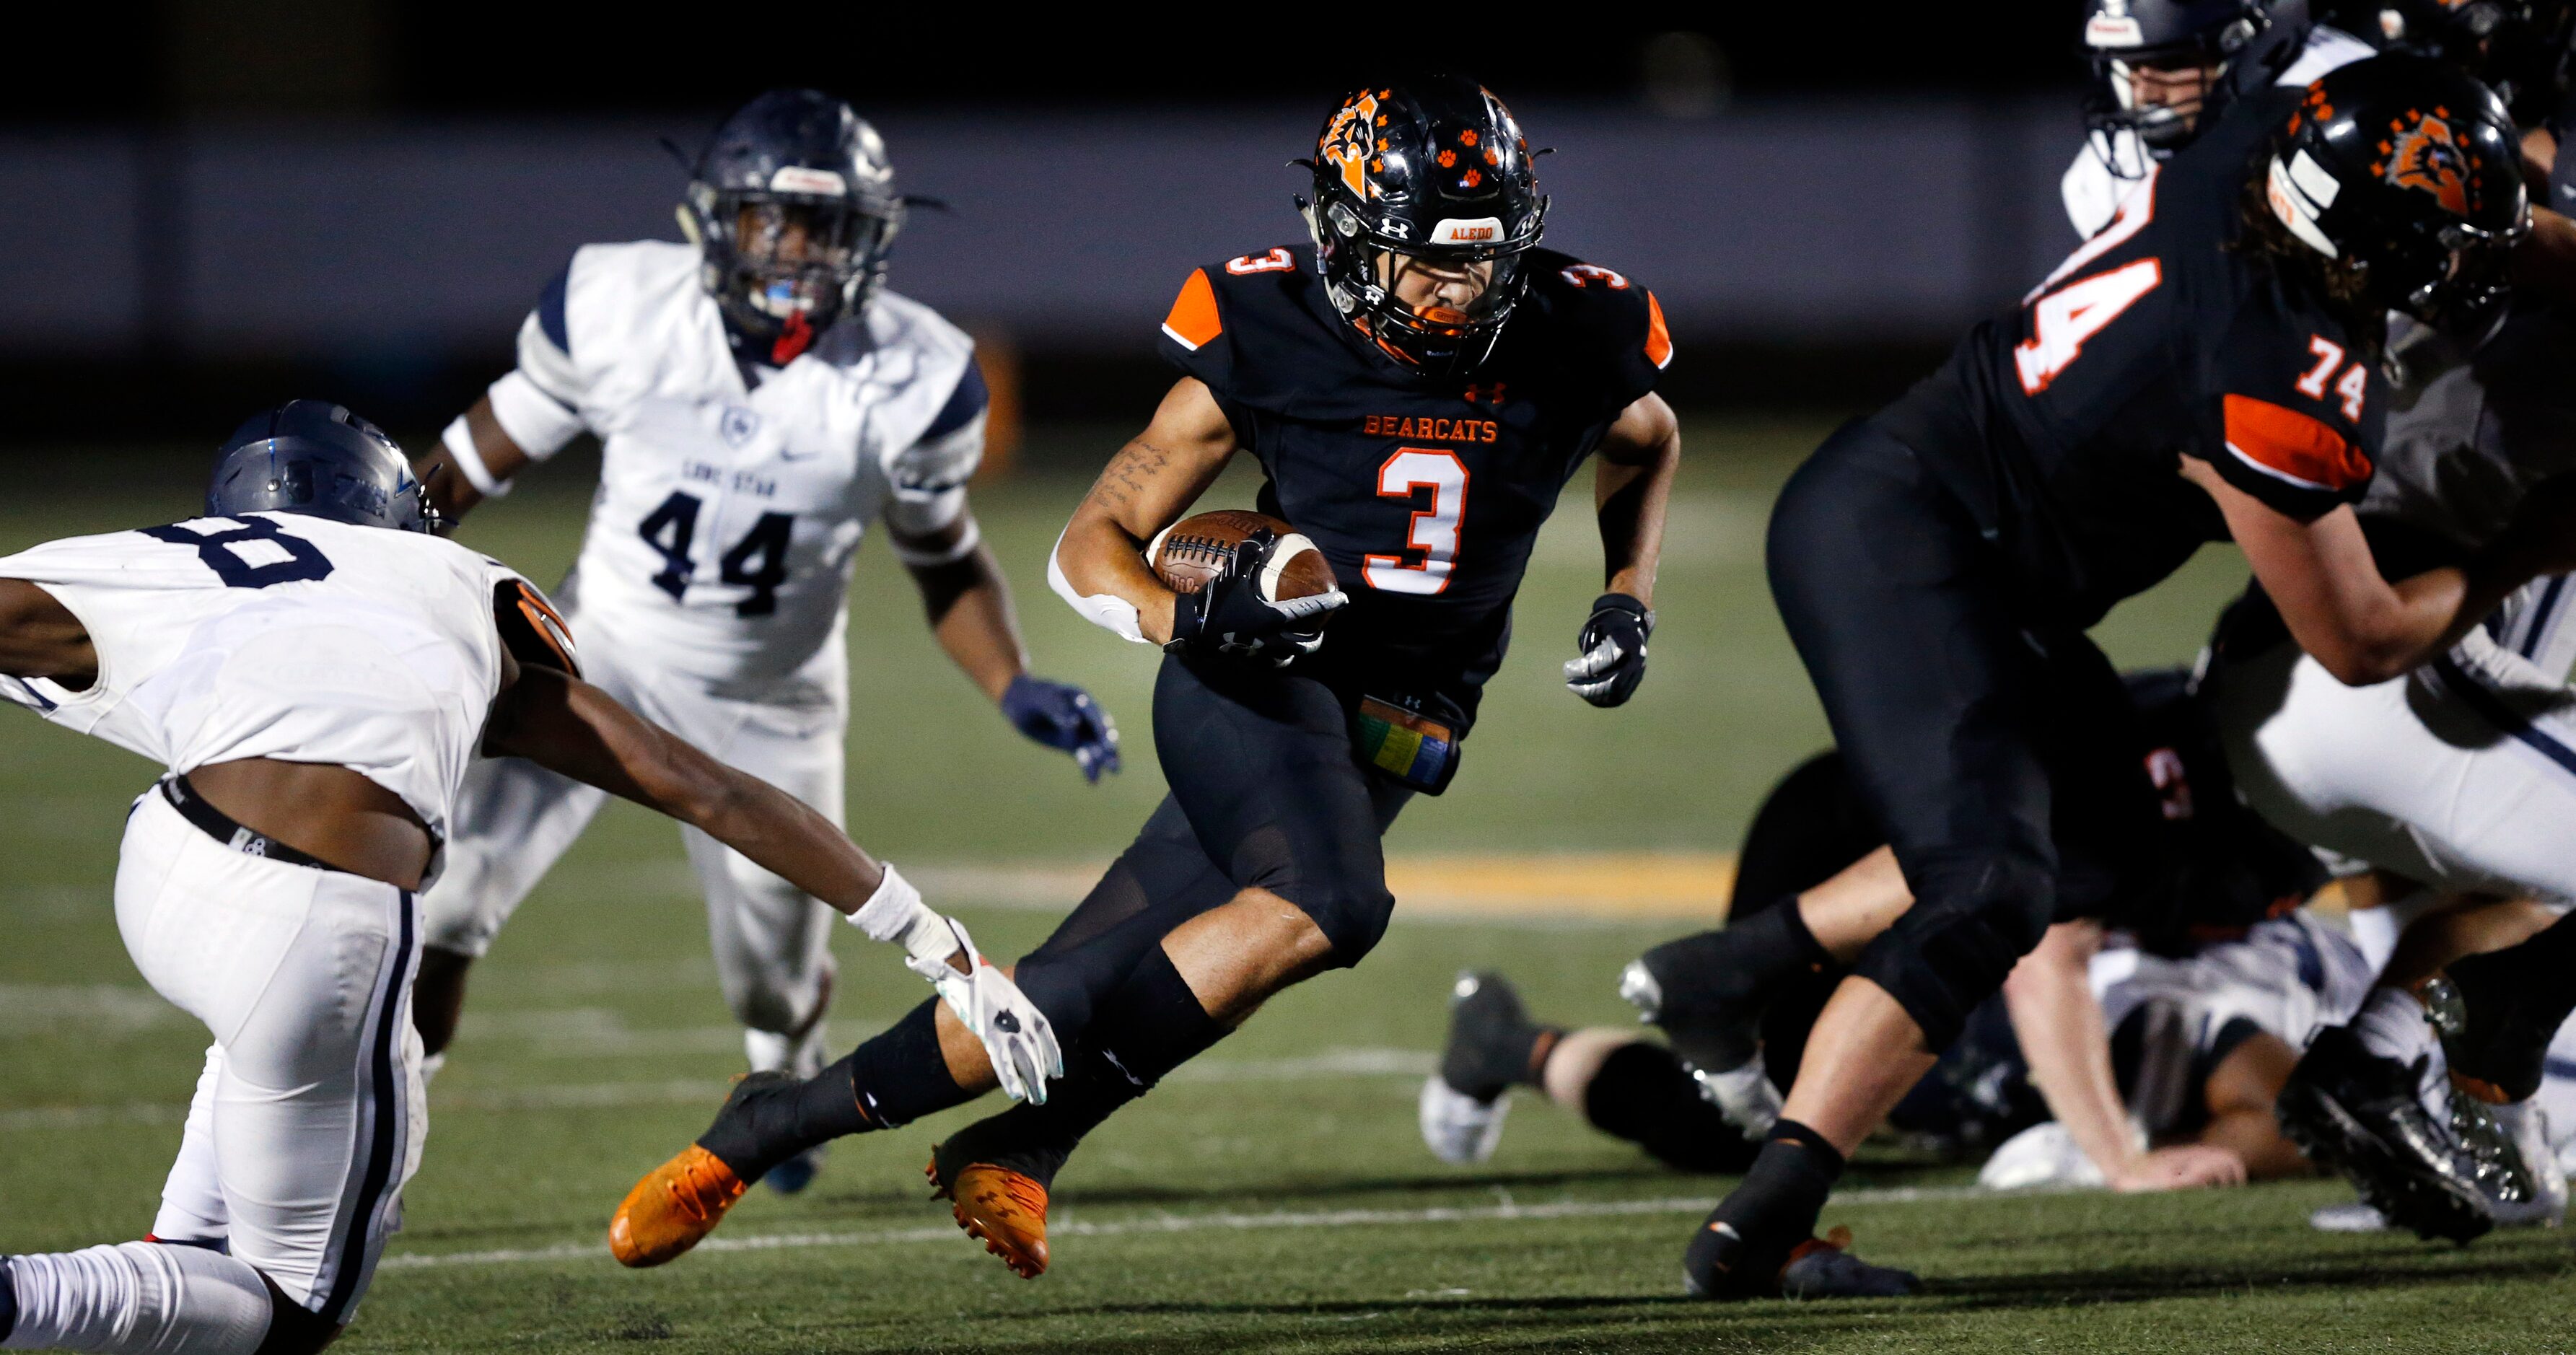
(1622, 602)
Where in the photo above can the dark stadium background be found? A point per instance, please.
(150, 261)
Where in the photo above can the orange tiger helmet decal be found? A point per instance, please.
(2424, 153)
(1349, 142)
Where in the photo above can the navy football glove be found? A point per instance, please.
(1229, 615)
(1063, 716)
(1613, 642)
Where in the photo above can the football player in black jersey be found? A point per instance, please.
(1418, 385)
(2205, 368)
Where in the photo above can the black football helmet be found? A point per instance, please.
(2121, 36)
(316, 458)
(1436, 170)
(2408, 173)
(794, 210)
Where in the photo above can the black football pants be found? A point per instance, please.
(1265, 792)
(1941, 700)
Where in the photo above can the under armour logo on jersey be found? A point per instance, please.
(738, 425)
(1486, 393)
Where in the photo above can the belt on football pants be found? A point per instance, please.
(219, 825)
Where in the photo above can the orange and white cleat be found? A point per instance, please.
(1004, 1209)
(673, 1208)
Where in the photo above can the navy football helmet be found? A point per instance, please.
(2123, 36)
(793, 208)
(1432, 169)
(2407, 173)
(316, 458)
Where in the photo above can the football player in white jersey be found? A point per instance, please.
(761, 400)
(2163, 68)
(317, 671)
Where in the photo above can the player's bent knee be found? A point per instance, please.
(1352, 918)
(1953, 950)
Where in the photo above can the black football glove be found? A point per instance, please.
(1613, 642)
(1063, 716)
(1229, 615)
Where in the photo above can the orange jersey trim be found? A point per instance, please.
(1659, 340)
(2293, 447)
(1193, 320)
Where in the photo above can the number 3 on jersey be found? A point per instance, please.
(1435, 529)
(757, 562)
(2062, 320)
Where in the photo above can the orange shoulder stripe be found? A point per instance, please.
(1193, 320)
(2288, 445)
(1659, 340)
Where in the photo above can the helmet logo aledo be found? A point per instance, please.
(2425, 154)
(1350, 143)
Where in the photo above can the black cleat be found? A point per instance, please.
(1491, 1038)
(1720, 1264)
(2363, 1114)
(2496, 1018)
(1698, 992)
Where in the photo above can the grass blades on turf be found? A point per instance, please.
(1273, 1196)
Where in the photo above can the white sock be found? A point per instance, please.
(138, 1298)
(2391, 1023)
(2374, 930)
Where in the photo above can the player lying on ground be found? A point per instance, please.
(2185, 878)
(1418, 387)
(2203, 369)
(761, 401)
(317, 670)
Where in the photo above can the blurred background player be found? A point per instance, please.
(1418, 386)
(2175, 992)
(760, 399)
(2230, 315)
(2165, 69)
(317, 670)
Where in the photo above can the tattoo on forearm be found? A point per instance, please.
(1130, 472)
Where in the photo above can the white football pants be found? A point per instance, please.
(309, 1117)
(515, 819)
(2460, 775)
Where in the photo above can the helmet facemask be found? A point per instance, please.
(785, 266)
(1440, 333)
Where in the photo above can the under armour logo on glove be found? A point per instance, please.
(1230, 616)
(1613, 642)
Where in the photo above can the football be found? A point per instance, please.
(1195, 549)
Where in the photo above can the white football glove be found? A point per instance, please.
(1015, 1034)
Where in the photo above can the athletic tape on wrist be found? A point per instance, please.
(896, 913)
(459, 442)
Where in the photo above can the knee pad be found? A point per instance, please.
(1351, 914)
(1954, 947)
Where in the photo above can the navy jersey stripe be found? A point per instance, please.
(964, 403)
(2494, 711)
(386, 1140)
(550, 310)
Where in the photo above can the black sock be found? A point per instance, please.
(891, 1080)
(1149, 1025)
(1775, 1208)
(1644, 1095)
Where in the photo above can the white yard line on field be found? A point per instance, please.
(1193, 1223)
(1330, 1063)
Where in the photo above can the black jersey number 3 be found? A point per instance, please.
(757, 562)
(1434, 531)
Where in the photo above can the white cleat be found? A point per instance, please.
(1744, 1095)
(2352, 1216)
(1458, 1128)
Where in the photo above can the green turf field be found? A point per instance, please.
(1272, 1197)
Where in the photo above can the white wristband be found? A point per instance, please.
(1113, 614)
(896, 913)
(459, 442)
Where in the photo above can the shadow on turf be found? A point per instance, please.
(1439, 1183)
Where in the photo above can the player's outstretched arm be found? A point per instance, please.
(1640, 456)
(1099, 564)
(972, 616)
(40, 638)
(2059, 1024)
(453, 487)
(567, 725)
(2357, 625)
